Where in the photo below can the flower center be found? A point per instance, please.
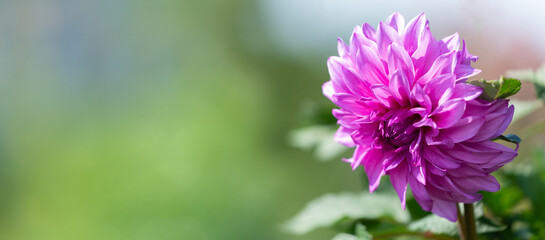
(398, 131)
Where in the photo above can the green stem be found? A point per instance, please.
(461, 223)
(471, 229)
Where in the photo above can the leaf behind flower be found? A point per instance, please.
(494, 89)
(330, 209)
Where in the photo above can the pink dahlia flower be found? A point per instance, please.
(406, 107)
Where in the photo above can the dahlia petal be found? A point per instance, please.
(334, 65)
(354, 83)
(446, 209)
(418, 173)
(370, 66)
(386, 35)
(464, 57)
(364, 133)
(357, 157)
(437, 158)
(466, 91)
(368, 31)
(443, 64)
(452, 42)
(358, 40)
(348, 102)
(384, 95)
(399, 84)
(393, 161)
(447, 190)
(465, 129)
(482, 183)
(427, 49)
(342, 48)
(413, 32)
(396, 21)
(372, 162)
(432, 140)
(436, 170)
(346, 118)
(420, 194)
(398, 59)
(463, 72)
(343, 137)
(399, 179)
(419, 96)
(448, 114)
(476, 153)
(327, 90)
(467, 170)
(440, 88)
(505, 124)
(506, 155)
(494, 125)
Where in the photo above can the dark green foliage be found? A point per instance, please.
(494, 89)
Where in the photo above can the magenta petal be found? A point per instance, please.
(346, 118)
(399, 59)
(449, 114)
(452, 42)
(467, 170)
(400, 88)
(419, 96)
(443, 64)
(505, 123)
(446, 209)
(492, 125)
(348, 102)
(368, 31)
(327, 90)
(384, 95)
(396, 21)
(372, 163)
(358, 40)
(439, 159)
(342, 48)
(399, 179)
(482, 183)
(335, 65)
(466, 91)
(386, 35)
(420, 194)
(370, 66)
(440, 88)
(463, 72)
(413, 32)
(477, 153)
(465, 129)
(343, 137)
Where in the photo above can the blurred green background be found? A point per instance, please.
(169, 119)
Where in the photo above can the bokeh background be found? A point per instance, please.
(134, 119)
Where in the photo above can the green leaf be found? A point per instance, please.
(434, 224)
(439, 225)
(361, 232)
(494, 89)
(330, 209)
(512, 138)
(345, 236)
(319, 139)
